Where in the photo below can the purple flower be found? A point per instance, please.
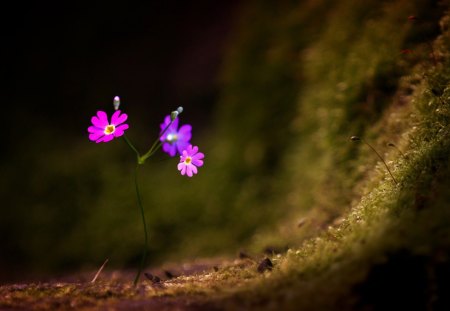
(175, 139)
(190, 159)
(103, 131)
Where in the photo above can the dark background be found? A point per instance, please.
(63, 64)
(66, 62)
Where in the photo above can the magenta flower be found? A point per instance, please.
(175, 139)
(190, 159)
(103, 131)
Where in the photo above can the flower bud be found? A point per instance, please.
(173, 115)
(116, 102)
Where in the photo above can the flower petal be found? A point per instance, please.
(167, 121)
(170, 149)
(184, 133)
(118, 118)
(101, 120)
(166, 147)
(189, 170)
(198, 156)
(198, 163)
(189, 150)
(183, 168)
(181, 146)
(108, 138)
(194, 169)
(174, 124)
(120, 130)
(180, 166)
(94, 129)
(95, 136)
(100, 140)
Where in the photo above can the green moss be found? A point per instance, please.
(391, 226)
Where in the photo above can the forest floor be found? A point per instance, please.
(197, 285)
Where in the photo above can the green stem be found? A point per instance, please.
(156, 145)
(140, 160)
(132, 147)
(144, 254)
(139, 200)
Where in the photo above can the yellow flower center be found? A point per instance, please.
(109, 129)
(188, 160)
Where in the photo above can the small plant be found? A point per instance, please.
(173, 140)
(356, 138)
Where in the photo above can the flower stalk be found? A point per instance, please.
(155, 146)
(144, 223)
(172, 139)
(141, 161)
(356, 138)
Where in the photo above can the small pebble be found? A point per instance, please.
(243, 255)
(148, 276)
(153, 278)
(265, 265)
(169, 274)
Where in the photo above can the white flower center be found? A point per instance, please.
(188, 160)
(172, 138)
(109, 129)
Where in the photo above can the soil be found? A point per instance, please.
(114, 290)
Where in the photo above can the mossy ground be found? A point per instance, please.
(353, 238)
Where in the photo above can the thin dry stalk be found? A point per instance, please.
(99, 271)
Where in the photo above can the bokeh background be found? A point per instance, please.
(67, 202)
(273, 90)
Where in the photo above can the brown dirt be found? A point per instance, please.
(177, 287)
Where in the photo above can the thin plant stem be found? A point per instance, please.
(381, 158)
(141, 208)
(395, 147)
(141, 160)
(144, 254)
(156, 144)
(132, 147)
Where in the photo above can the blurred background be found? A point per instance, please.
(67, 202)
(273, 90)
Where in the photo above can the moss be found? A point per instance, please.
(390, 226)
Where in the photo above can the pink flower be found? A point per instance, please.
(190, 159)
(103, 131)
(174, 139)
